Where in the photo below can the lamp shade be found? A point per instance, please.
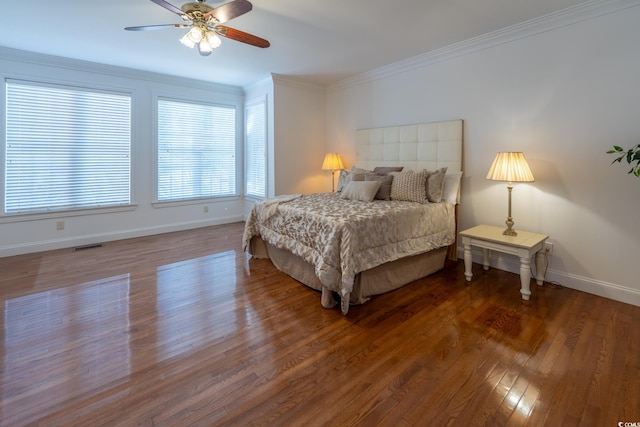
(511, 167)
(332, 162)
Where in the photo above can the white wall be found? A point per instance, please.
(299, 137)
(563, 92)
(34, 233)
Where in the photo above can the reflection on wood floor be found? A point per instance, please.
(182, 329)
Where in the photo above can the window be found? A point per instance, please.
(256, 149)
(196, 150)
(66, 148)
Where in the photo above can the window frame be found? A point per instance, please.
(194, 99)
(65, 212)
(260, 101)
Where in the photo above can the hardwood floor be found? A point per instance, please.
(183, 329)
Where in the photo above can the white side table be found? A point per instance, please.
(524, 245)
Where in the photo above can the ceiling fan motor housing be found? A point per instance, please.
(196, 7)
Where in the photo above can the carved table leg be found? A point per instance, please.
(525, 277)
(467, 261)
(485, 258)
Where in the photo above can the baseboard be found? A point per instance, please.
(70, 242)
(568, 280)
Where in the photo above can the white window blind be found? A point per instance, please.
(66, 148)
(256, 149)
(196, 150)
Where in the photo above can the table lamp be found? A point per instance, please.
(511, 167)
(333, 163)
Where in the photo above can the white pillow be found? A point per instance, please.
(364, 191)
(451, 192)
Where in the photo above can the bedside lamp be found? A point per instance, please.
(332, 162)
(511, 167)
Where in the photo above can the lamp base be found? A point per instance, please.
(509, 231)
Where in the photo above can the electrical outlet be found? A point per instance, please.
(206, 209)
(60, 225)
(548, 248)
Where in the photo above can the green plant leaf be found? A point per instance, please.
(631, 156)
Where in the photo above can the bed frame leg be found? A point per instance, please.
(327, 299)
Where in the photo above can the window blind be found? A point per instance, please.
(196, 150)
(256, 149)
(66, 148)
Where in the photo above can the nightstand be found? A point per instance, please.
(524, 245)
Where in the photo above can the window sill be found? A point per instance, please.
(21, 217)
(186, 202)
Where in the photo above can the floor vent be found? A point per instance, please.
(82, 248)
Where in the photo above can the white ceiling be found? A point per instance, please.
(319, 41)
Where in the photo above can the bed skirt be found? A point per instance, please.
(375, 281)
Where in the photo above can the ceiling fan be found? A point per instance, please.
(204, 23)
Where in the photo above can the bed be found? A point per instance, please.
(375, 234)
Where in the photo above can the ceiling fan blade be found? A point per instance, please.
(169, 7)
(157, 27)
(230, 10)
(241, 36)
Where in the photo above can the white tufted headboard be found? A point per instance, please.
(419, 146)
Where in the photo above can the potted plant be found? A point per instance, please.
(631, 155)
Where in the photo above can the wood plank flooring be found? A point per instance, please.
(183, 329)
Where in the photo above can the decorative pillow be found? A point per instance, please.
(384, 193)
(342, 180)
(356, 169)
(383, 170)
(435, 184)
(346, 177)
(364, 191)
(451, 187)
(409, 186)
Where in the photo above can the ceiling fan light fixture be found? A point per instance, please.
(204, 48)
(186, 41)
(213, 39)
(196, 34)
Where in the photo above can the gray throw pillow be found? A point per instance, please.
(384, 193)
(383, 170)
(435, 184)
(364, 191)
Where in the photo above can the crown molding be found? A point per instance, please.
(45, 60)
(562, 18)
(284, 80)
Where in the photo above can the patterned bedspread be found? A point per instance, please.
(341, 238)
